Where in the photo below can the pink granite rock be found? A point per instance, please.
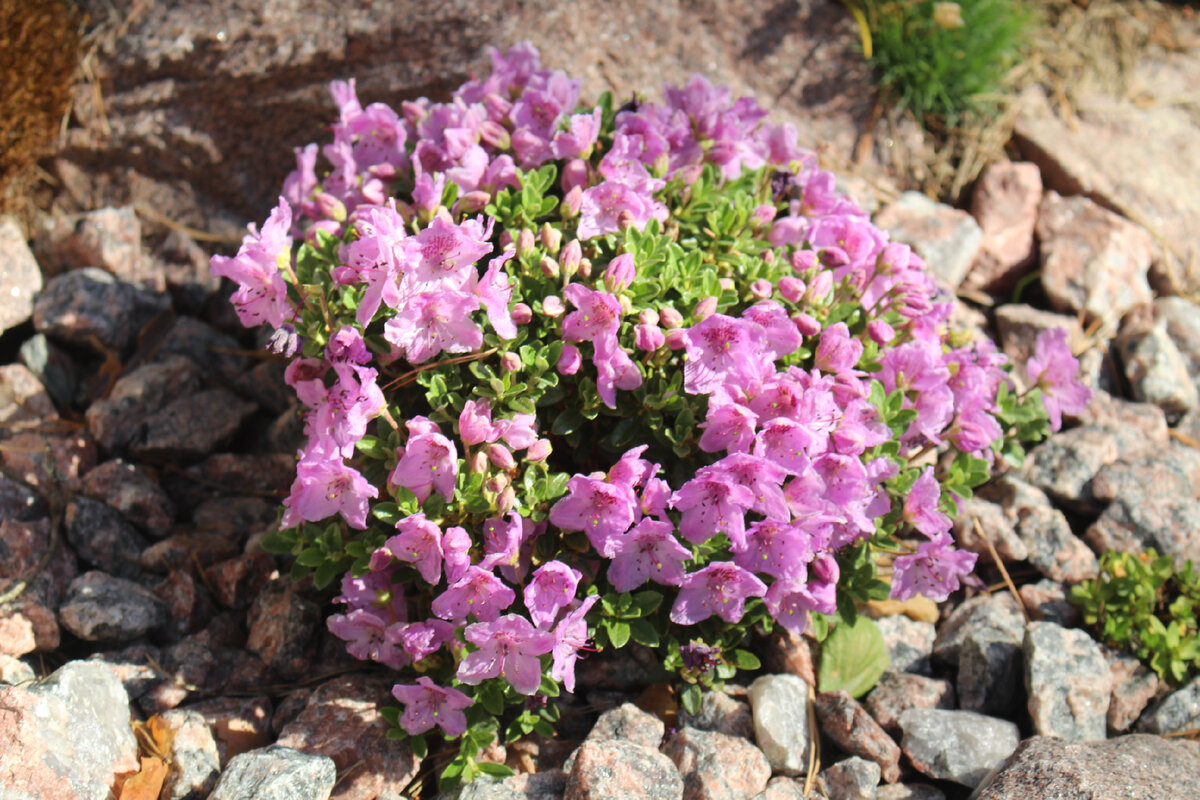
(1005, 204)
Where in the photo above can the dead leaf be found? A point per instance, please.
(920, 608)
(147, 783)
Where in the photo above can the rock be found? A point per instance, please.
(276, 773)
(989, 669)
(52, 366)
(780, 705)
(781, 788)
(195, 764)
(23, 400)
(847, 723)
(1157, 372)
(210, 351)
(236, 581)
(995, 527)
(239, 724)
(1133, 687)
(24, 552)
(68, 735)
(234, 516)
(14, 671)
(1141, 428)
(948, 239)
(717, 766)
(192, 426)
(20, 275)
(189, 604)
(1054, 550)
(281, 626)
(1134, 522)
(101, 608)
(1063, 465)
(178, 551)
(47, 460)
(119, 418)
(131, 491)
(617, 769)
(1068, 681)
(1005, 204)
(909, 643)
(897, 692)
(1125, 768)
(1172, 472)
(998, 611)
(852, 779)
(1092, 260)
(722, 714)
(792, 654)
(103, 538)
(19, 503)
(1182, 320)
(90, 308)
(108, 238)
(1178, 711)
(1046, 601)
(134, 666)
(958, 746)
(342, 721)
(630, 723)
(909, 791)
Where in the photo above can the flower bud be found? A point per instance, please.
(505, 241)
(894, 257)
(551, 238)
(553, 306)
(819, 287)
(373, 191)
(539, 450)
(344, 276)
(825, 568)
(571, 203)
(838, 351)
(676, 339)
(501, 456)
(497, 483)
(328, 225)
(585, 268)
(384, 171)
(791, 288)
(880, 332)
(575, 176)
(670, 318)
(806, 324)
(763, 215)
(494, 135)
(619, 273)
(331, 207)
(570, 360)
(761, 289)
(803, 260)
(498, 107)
(727, 284)
(414, 110)
(833, 257)
(510, 362)
(768, 257)
(478, 462)
(521, 314)
(549, 267)
(525, 242)
(626, 219)
(690, 174)
(705, 308)
(507, 500)
(648, 317)
(648, 337)
(661, 164)
(474, 201)
(571, 255)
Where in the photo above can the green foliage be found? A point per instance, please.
(1142, 604)
(853, 657)
(941, 59)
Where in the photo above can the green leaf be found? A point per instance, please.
(690, 698)
(643, 633)
(496, 770)
(310, 557)
(744, 659)
(853, 657)
(618, 633)
(279, 542)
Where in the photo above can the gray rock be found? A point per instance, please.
(909, 643)
(998, 611)
(193, 426)
(1063, 464)
(131, 491)
(781, 788)
(1133, 687)
(630, 723)
(108, 238)
(947, 238)
(717, 766)
(276, 773)
(195, 762)
(909, 791)
(1141, 429)
(14, 671)
(1046, 601)
(68, 734)
(20, 276)
(1127, 768)
(19, 503)
(103, 538)
(1132, 523)
(989, 670)
(780, 704)
(281, 625)
(721, 713)
(1172, 472)
(1068, 681)
(119, 418)
(1054, 550)
(841, 718)
(101, 608)
(618, 769)
(897, 692)
(1182, 319)
(91, 308)
(1157, 372)
(852, 779)
(24, 402)
(53, 367)
(1178, 711)
(958, 746)
(995, 527)
(209, 350)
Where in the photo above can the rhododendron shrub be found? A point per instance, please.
(575, 376)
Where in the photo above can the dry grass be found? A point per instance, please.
(40, 50)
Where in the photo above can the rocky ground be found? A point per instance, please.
(145, 439)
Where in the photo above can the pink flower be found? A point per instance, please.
(494, 292)
(428, 463)
(570, 636)
(1055, 371)
(262, 293)
(724, 350)
(456, 557)
(607, 204)
(365, 634)
(790, 601)
(598, 315)
(648, 552)
(838, 351)
(448, 251)
(508, 647)
(422, 639)
(475, 423)
(727, 426)
(477, 592)
(721, 588)
(921, 505)
(428, 704)
(324, 486)
(712, 505)
(550, 588)
(432, 322)
(601, 510)
(934, 570)
(420, 543)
